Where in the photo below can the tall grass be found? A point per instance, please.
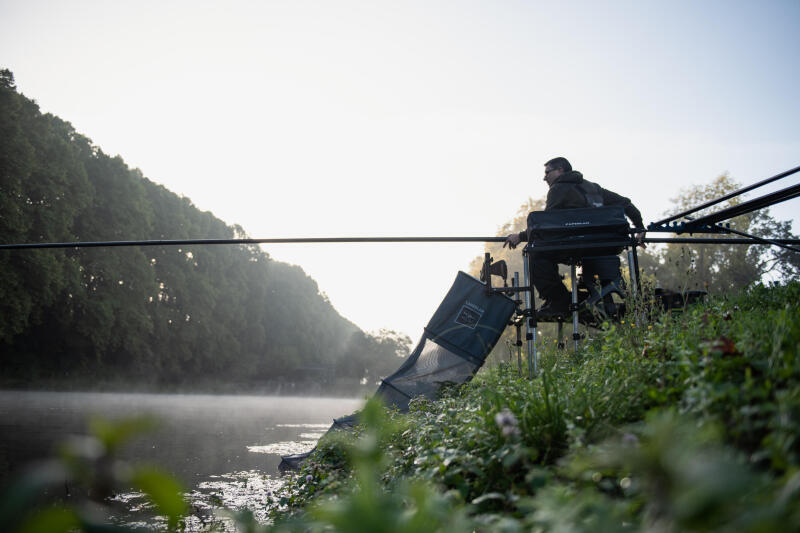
(666, 421)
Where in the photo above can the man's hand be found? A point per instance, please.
(512, 241)
(640, 240)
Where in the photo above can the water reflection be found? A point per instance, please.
(249, 489)
(225, 449)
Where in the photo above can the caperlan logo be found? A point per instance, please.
(469, 315)
(585, 223)
(475, 307)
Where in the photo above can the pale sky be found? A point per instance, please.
(432, 118)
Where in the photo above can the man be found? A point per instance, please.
(568, 190)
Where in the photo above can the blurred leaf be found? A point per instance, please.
(163, 490)
(52, 520)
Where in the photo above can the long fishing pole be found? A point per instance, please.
(726, 197)
(303, 240)
(336, 240)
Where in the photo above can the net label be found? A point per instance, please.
(469, 315)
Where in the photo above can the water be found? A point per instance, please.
(221, 447)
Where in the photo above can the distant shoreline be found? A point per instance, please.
(285, 389)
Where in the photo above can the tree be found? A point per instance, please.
(162, 314)
(719, 268)
(513, 258)
(43, 186)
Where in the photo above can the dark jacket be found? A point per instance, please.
(571, 191)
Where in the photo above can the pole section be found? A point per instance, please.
(727, 196)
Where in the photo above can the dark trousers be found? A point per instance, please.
(545, 276)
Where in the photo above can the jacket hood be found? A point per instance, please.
(573, 176)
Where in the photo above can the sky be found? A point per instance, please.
(303, 118)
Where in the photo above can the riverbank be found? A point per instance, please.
(686, 422)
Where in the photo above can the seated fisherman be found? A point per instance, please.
(568, 190)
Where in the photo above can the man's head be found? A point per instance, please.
(554, 168)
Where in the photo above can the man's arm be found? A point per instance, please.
(515, 238)
(612, 198)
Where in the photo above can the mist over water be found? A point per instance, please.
(228, 446)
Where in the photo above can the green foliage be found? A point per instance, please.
(681, 477)
(720, 268)
(344, 487)
(90, 471)
(686, 423)
(153, 315)
(682, 422)
(52, 520)
(165, 493)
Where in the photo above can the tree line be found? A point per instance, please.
(158, 315)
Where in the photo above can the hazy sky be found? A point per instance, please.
(432, 118)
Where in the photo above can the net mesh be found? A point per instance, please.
(456, 342)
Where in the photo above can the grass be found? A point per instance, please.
(688, 422)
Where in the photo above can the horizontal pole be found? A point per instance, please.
(185, 242)
(510, 289)
(700, 240)
(336, 240)
(762, 240)
(728, 196)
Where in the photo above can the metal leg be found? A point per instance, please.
(633, 267)
(634, 274)
(530, 303)
(574, 282)
(535, 370)
(515, 283)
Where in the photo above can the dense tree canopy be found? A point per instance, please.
(165, 314)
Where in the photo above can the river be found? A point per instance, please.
(221, 447)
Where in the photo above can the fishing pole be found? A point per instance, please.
(738, 192)
(301, 240)
(337, 240)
